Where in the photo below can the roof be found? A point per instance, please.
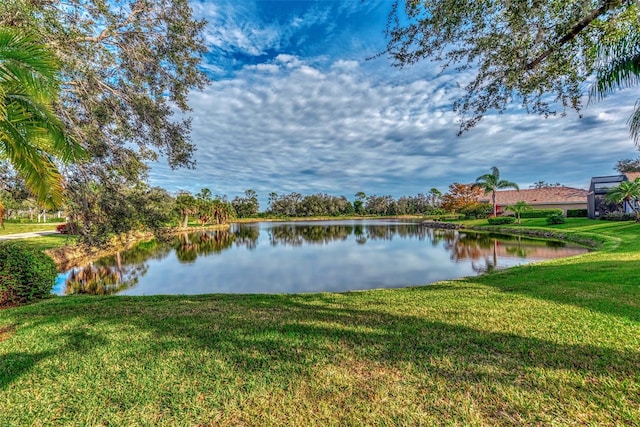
(536, 196)
(631, 176)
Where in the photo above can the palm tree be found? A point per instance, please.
(629, 192)
(619, 69)
(490, 182)
(519, 208)
(32, 137)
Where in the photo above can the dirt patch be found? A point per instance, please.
(6, 332)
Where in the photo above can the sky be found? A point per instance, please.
(296, 105)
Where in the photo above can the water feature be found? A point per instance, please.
(293, 257)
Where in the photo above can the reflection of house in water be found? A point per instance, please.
(597, 198)
(476, 247)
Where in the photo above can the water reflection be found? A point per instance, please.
(304, 257)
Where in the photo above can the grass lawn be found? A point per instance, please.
(15, 228)
(554, 343)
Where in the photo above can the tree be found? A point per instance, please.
(185, 205)
(127, 66)
(519, 208)
(619, 68)
(537, 53)
(358, 203)
(544, 184)
(628, 165)
(627, 192)
(490, 182)
(32, 136)
(246, 206)
(460, 196)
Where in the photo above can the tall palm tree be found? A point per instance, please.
(490, 182)
(619, 68)
(32, 136)
(629, 192)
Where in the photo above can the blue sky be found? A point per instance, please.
(294, 105)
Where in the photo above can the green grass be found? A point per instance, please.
(15, 228)
(554, 343)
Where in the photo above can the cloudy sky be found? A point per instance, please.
(294, 105)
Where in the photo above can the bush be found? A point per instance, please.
(541, 213)
(501, 220)
(63, 228)
(25, 274)
(478, 210)
(618, 216)
(576, 213)
(555, 219)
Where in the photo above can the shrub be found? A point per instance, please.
(63, 228)
(541, 213)
(576, 213)
(478, 210)
(555, 219)
(25, 274)
(618, 216)
(501, 220)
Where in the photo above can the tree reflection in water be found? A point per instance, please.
(117, 273)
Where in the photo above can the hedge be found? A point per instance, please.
(26, 274)
(541, 213)
(501, 220)
(577, 213)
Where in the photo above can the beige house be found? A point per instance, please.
(541, 198)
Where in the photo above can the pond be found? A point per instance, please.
(295, 257)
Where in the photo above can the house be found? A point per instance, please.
(597, 199)
(541, 198)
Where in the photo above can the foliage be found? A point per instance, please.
(32, 136)
(185, 205)
(63, 228)
(577, 213)
(555, 219)
(460, 196)
(25, 274)
(478, 210)
(519, 208)
(107, 212)
(246, 206)
(543, 184)
(536, 53)
(628, 165)
(618, 216)
(212, 210)
(490, 182)
(541, 213)
(499, 220)
(127, 68)
(619, 68)
(627, 192)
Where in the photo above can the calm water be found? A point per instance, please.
(304, 257)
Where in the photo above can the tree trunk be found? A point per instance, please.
(493, 198)
(185, 221)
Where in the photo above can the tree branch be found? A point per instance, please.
(574, 31)
(111, 31)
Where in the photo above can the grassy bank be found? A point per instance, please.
(552, 343)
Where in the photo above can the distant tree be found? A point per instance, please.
(461, 196)
(358, 203)
(544, 184)
(519, 208)
(490, 182)
(628, 165)
(629, 192)
(185, 205)
(246, 206)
